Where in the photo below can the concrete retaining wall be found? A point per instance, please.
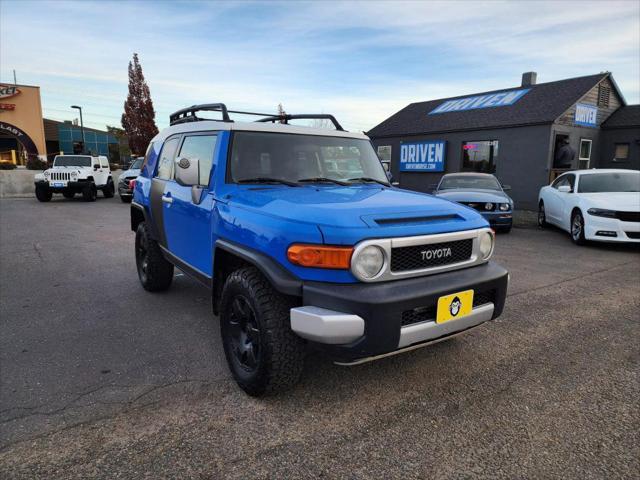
(19, 182)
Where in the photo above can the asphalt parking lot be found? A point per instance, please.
(102, 379)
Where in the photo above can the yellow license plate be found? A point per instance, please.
(454, 306)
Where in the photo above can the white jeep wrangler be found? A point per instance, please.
(71, 174)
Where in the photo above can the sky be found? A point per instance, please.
(361, 61)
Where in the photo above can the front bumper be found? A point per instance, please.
(605, 229)
(61, 186)
(357, 321)
(498, 219)
(124, 191)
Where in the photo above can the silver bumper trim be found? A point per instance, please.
(326, 326)
(423, 331)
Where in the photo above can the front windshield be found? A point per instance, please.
(72, 161)
(472, 182)
(609, 182)
(137, 163)
(312, 158)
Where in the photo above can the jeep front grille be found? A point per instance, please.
(430, 255)
(60, 176)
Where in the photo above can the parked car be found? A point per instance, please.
(599, 205)
(124, 182)
(298, 255)
(71, 174)
(482, 192)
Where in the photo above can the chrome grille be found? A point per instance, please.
(60, 176)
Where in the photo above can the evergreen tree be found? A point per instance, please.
(138, 119)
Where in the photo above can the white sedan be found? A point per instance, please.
(593, 204)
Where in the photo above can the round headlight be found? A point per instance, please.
(368, 262)
(74, 174)
(47, 173)
(504, 207)
(486, 244)
(488, 206)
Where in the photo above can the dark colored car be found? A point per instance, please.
(482, 192)
(124, 183)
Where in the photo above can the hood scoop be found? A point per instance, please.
(404, 219)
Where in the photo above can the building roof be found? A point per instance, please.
(544, 103)
(625, 117)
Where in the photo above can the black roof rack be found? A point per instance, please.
(189, 115)
(312, 116)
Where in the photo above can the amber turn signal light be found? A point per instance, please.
(320, 256)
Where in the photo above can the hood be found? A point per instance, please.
(468, 195)
(132, 172)
(625, 201)
(345, 215)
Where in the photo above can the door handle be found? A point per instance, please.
(166, 199)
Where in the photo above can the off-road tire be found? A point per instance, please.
(577, 234)
(43, 194)
(156, 275)
(108, 190)
(90, 193)
(542, 215)
(280, 356)
(68, 194)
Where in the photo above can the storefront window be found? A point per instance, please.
(585, 153)
(622, 152)
(480, 156)
(384, 152)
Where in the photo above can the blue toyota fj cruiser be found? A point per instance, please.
(303, 242)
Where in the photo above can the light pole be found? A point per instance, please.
(81, 124)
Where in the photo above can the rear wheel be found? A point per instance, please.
(577, 228)
(263, 353)
(90, 193)
(154, 272)
(43, 194)
(109, 190)
(542, 217)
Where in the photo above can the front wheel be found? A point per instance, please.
(577, 228)
(263, 353)
(542, 216)
(43, 194)
(90, 193)
(109, 190)
(154, 271)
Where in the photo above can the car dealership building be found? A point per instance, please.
(525, 135)
(24, 133)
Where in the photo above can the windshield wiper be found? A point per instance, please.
(367, 179)
(322, 179)
(268, 180)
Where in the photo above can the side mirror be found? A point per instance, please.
(96, 166)
(564, 189)
(389, 176)
(506, 188)
(187, 172)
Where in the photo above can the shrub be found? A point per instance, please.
(4, 165)
(34, 163)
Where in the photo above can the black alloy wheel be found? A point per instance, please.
(244, 334)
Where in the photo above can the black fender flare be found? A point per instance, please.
(282, 280)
